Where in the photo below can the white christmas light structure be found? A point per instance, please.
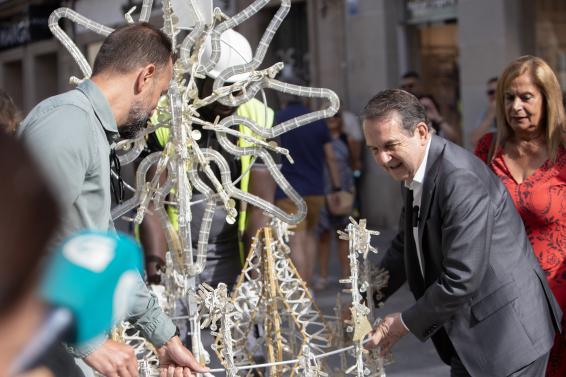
(362, 280)
(309, 365)
(271, 295)
(215, 306)
(146, 354)
(182, 159)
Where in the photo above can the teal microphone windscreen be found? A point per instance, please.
(87, 285)
(93, 275)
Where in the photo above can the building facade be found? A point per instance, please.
(355, 47)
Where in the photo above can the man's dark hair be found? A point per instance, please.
(411, 75)
(133, 46)
(396, 101)
(492, 79)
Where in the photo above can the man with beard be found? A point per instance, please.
(72, 135)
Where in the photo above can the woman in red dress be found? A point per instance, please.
(527, 152)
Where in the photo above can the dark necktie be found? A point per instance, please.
(415, 221)
(412, 221)
(408, 212)
(412, 214)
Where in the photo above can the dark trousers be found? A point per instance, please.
(535, 369)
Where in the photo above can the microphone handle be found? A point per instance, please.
(57, 323)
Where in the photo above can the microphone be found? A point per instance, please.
(87, 284)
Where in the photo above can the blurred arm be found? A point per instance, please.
(263, 185)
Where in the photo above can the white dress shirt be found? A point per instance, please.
(417, 186)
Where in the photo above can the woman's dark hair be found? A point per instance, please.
(411, 75)
(9, 114)
(431, 98)
(28, 219)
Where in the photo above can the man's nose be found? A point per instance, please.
(383, 157)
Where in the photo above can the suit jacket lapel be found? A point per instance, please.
(437, 146)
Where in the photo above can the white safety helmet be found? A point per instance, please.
(234, 50)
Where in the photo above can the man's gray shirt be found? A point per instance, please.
(69, 135)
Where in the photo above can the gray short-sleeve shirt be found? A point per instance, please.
(69, 136)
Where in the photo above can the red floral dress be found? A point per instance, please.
(541, 201)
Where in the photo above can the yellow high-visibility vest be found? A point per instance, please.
(263, 116)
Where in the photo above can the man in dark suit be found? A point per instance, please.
(480, 293)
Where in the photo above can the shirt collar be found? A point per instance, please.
(100, 105)
(419, 177)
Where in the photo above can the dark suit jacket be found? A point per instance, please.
(483, 288)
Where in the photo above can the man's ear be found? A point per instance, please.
(422, 129)
(145, 77)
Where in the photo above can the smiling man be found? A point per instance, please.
(72, 135)
(480, 293)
